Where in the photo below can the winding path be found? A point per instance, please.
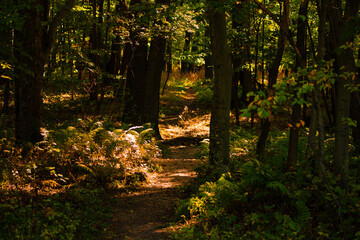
(147, 213)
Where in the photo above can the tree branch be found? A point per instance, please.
(284, 29)
(55, 22)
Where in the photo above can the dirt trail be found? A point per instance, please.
(146, 213)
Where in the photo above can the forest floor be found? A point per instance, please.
(148, 212)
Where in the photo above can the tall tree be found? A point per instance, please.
(296, 109)
(33, 43)
(219, 123)
(137, 68)
(96, 45)
(156, 63)
(273, 74)
(342, 32)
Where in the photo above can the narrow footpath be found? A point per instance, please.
(146, 213)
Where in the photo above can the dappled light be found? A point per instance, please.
(149, 120)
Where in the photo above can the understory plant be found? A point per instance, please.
(55, 189)
(262, 200)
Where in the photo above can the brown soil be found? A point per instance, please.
(147, 213)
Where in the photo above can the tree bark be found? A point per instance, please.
(273, 73)
(185, 65)
(150, 108)
(136, 71)
(219, 123)
(209, 70)
(316, 120)
(33, 44)
(340, 35)
(300, 63)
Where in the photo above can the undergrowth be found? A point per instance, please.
(54, 189)
(261, 200)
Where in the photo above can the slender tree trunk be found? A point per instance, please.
(185, 65)
(317, 122)
(96, 44)
(209, 71)
(296, 109)
(236, 62)
(6, 83)
(6, 53)
(220, 114)
(273, 73)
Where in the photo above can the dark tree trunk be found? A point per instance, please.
(6, 54)
(135, 61)
(113, 65)
(150, 108)
(355, 115)
(300, 63)
(6, 82)
(156, 64)
(136, 76)
(28, 77)
(339, 35)
(209, 70)
(95, 42)
(32, 48)
(236, 62)
(317, 122)
(220, 114)
(355, 111)
(273, 73)
(185, 65)
(126, 58)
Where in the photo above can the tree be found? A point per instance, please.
(33, 43)
(156, 63)
(296, 109)
(273, 74)
(342, 32)
(220, 113)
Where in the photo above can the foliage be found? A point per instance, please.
(204, 92)
(260, 200)
(78, 214)
(54, 189)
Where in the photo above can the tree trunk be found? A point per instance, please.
(96, 42)
(300, 63)
(136, 71)
(150, 108)
(33, 44)
(220, 114)
(156, 64)
(185, 65)
(209, 70)
(273, 73)
(136, 75)
(340, 35)
(317, 122)
(6, 97)
(28, 73)
(5, 54)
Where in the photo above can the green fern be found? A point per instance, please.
(304, 214)
(275, 185)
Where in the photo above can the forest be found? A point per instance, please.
(159, 119)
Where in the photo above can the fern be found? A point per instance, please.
(304, 214)
(275, 185)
